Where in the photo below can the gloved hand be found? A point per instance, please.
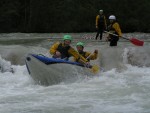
(57, 55)
(87, 64)
(96, 51)
(106, 28)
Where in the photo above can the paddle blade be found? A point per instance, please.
(95, 69)
(137, 42)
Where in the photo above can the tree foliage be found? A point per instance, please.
(71, 15)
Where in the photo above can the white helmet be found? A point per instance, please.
(101, 11)
(112, 17)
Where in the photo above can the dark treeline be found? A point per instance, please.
(71, 15)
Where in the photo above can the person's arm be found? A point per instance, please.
(92, 56)
(117, 29)
(97, 17)
(76, 55)
(53, 48)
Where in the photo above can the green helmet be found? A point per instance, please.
(67, 37)
(80, 44)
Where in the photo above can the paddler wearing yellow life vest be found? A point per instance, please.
(87, 55)
(113, 28)
(101, 24)
(63, 50)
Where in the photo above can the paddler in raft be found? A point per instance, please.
(87, 55)
(63, 50)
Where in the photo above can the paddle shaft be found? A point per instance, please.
(89, 56)
(132, 40)
(116, 35)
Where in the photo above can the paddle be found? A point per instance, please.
(89, 56)
(93, 68)
(132, 40)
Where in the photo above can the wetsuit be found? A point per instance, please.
(100, 25)
(114, 28)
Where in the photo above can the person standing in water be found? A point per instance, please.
(101, 24)
(114, 31)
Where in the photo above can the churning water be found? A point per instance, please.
(123, 85)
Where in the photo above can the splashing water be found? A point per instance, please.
(123, 86)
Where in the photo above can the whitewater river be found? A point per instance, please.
(122, 86)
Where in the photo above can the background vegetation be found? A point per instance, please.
(71, 15)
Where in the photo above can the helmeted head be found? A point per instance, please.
(112, 17)
(67, 39)
(101, 11)
(80, 46)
